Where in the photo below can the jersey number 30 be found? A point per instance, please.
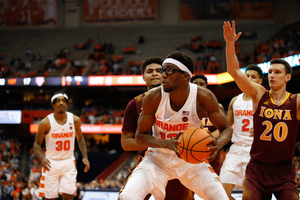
(62, 145)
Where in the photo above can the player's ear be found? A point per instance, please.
(288, 77)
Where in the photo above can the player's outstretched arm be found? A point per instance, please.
(81, 143)
(250, 88)
(44, 128)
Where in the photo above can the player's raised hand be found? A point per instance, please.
(87, 164)
(229, 32)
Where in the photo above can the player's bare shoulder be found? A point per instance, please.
(76, 120)
(153, 95)
(204, 94)
(44, 126)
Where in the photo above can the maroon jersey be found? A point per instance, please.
(131, 115)
(207, 125)
(275, 130)
(132, 112)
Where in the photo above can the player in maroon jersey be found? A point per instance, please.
(151, 75)
(276, 122)
(201, 80)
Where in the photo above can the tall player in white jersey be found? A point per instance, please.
(58, 165)
(172, 108)
(240, 114)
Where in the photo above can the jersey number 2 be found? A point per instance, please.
(245, 122)
(62, 145)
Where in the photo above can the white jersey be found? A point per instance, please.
(243, 121)
(169, 122)
(60, 140)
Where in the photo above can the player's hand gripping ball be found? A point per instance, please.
(193, 146)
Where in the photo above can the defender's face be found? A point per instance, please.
(277, 76)
(200, 82)
(152, 75)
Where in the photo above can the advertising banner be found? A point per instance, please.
(97, 11)
(10, 117)
(28, 13)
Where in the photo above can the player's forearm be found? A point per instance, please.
(231, 58)
(225, 136)
(82, 147)
(130, 144)
(150, 141)
(38, 151)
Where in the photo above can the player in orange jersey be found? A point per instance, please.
(59, 130)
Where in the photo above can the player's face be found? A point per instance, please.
(60, 105)
(171, 82)
(253, 76)
(151, 76)
(277, 76)
(200, 82)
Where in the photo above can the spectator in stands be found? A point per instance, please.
(28, 52)
(141, 40)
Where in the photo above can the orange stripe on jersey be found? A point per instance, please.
(41, 194)
(43, 178)
(211, 169)
(218, 179)
(44, 170)
(42, 185)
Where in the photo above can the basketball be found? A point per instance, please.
(193, 145)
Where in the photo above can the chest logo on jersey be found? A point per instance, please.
(275, 113)
(171, 127)
(62, 135)
(243, 113)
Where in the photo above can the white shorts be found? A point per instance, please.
(157, 168)
(60, 179)
(234, 166)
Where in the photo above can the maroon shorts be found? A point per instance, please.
(264, 179)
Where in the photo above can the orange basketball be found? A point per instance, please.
(193, 145)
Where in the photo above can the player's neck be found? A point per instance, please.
(246, 97)
(178, 98)
(60, 117)
(278, 96)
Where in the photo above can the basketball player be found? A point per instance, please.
(240, 114)
(58, 165)
(181, 104)
(151, 74)
(201, 80)
(275, 123)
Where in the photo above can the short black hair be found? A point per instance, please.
(287, 66)
(149, 61)
(184, 59)
(255, 68)
(54, 101)
(199, 76)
